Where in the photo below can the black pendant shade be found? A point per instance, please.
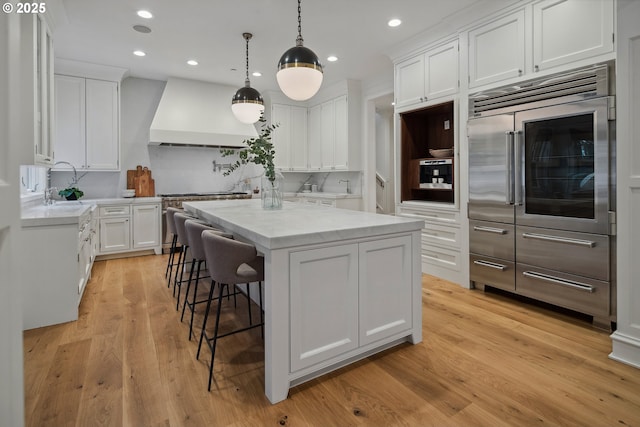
(247, 103)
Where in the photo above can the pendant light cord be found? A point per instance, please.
(247, 36)
(299, 38)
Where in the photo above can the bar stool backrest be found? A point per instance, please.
(179, 219)
(171, 225)
(194, 231)
(224, 257)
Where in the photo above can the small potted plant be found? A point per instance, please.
(71, 193)
(260, 151)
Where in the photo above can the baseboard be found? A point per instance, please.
(626, 349)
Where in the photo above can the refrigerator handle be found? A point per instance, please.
(509, 175)
(517, 168)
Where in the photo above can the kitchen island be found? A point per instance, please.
(340, 285)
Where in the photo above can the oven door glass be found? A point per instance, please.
(564, 167)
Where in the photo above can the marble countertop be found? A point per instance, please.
(69, 212)
(321, 195)
(296, 224)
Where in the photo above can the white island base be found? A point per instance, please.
(340, 285)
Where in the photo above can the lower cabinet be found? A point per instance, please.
(441, 240)
(54, 285)
(130, 227)
(115, 229)
(351, 296)
(146, 223)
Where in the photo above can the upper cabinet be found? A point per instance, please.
(87, 123)
(497, 50)
(290, 137)
(40, 94)
(320, 136)
(544, 35)
(427, 76)
(566, 31)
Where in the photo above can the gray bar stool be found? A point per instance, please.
(179, 219)
(231, 263)
(194, 231)
(171, 228)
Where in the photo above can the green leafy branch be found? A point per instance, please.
(259, 150)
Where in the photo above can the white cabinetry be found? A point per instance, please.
(115, 229)
(290, 137)
(544, 35)
(324, 315)
(441, 239)
(566, 31)
(497, 50)
(87, 123)
(429, 75)
(54, 285)
(129, 227)
(146, 223)
(331, 143)
(38, 93)
(350, 296)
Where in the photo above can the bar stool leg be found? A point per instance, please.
(249, 302)
(206, 316)
(261, 312)
(215, 339)
(174, 240)
(186, 295)
(177, 266)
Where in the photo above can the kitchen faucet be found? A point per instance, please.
(347, 181)
(49, 191)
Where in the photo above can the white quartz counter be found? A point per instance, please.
(322, 195)
(69, 212)
(297, 224)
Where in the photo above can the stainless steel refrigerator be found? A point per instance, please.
(541, 180)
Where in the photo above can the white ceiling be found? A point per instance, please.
(210, 31)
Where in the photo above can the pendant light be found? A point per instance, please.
(299, 71)
(247, 104)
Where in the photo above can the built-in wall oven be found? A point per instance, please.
(541, 190)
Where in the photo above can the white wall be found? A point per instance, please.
(626, 339)
(16, 117)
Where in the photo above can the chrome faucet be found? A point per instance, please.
(347, 181)
(50, 191)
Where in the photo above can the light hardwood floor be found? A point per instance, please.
(486, 360)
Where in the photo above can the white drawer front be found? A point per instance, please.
(121, 210)
(441, 257)
(435, 216)
(436, 234)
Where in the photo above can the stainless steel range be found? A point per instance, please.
(541, 190)
(175, 200)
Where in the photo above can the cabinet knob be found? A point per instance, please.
(519, 72)
(536, 68)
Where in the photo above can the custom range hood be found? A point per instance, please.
(196, 113)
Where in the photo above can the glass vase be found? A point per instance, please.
(272, 191)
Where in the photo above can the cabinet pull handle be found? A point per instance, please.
(489, 229)
(557, 239)
(490, 265)
(558, 281)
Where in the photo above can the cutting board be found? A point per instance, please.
(140, 180)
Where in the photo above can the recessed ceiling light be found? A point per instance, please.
(139, 53)
(192, 62)
(142, 29)
(332, 58)
(145, 14)
(394, 22)
(256, 74)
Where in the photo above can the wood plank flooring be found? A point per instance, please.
(486, 360)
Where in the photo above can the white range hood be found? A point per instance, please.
(199, 114)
